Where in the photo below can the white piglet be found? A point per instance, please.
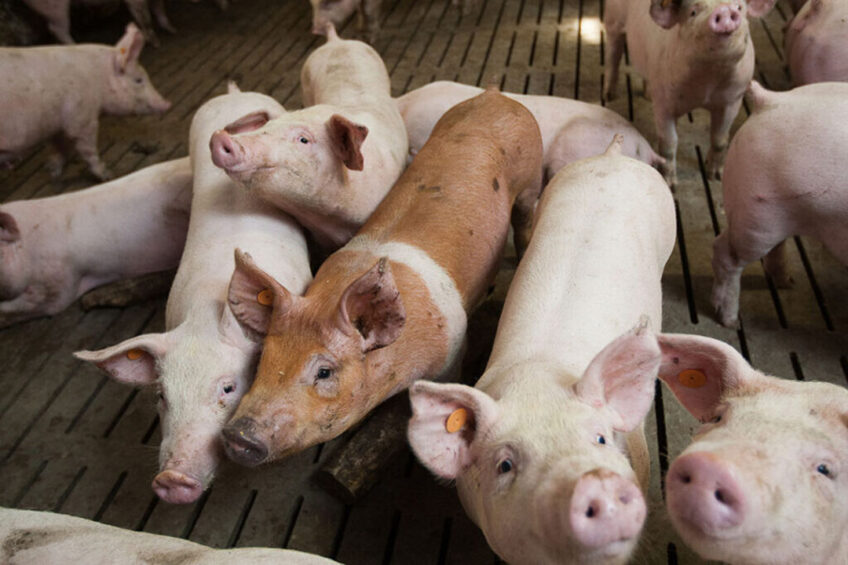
(330, 164)
(53, 250)
(765, 481)
(57, 93)
(203, 363)
(548, 450)
(694, 54)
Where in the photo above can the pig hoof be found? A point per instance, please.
(103, 175)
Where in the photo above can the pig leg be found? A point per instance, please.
(141, 14)
(158, 9)
(615, 49)
(736, 247)
(775, 265)
(59, 156)
(370, 21)
(667, 134)
(84, 136)
(721, 119)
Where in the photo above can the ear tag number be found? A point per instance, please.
(692, 378)
(265, 298)
(456, 420)
(134, 354)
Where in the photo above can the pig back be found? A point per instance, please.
(454, 200)
(604, 228)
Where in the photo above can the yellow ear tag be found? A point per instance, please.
(123, 51)
(134, 354)
(692, 378)
(265, 298)
(456, 420)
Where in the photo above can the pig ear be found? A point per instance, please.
(254, 295)
(445, 420)
(759, 8)
(698, 370)
(665, 12)
(621, 377)
(128, 48)
(372, 306)
(346, 138)
(250, 122)
(131, 362)
(9, 232)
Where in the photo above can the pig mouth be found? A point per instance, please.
(688, 524)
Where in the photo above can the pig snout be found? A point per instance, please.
(726, 19)
(161, 105)
(227, 153)
(176, 487)
(605, 508)
(702, 491)
(241, 443)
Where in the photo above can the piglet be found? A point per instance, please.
(53, 250)
(785, 170)
(817, 42)
(571, 129)
(203, 363)
(390, 307)
(693, 54)
(543, 449)
(74, 85)
(46, 538)
(330, 164)
(336, 12)
(763, 482)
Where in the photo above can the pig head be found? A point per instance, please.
(764, 480)
(540, 459)
(191, 416)
(300, 162)
(129, 90)
(312, 377)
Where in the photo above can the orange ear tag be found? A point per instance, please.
(134, 354)
(456, 420)
(692, 378)
(265, 298)
(123, 51)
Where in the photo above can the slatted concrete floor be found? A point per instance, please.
(74, 442)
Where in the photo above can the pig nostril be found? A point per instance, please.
(590, 512)
(719, 495)
(686, 479)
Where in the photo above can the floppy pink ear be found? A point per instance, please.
(698, 370)
(254, 295)
(666, 13)
(347, 138)
(132, 362)
(250, 122)
(128, 48)
(440, 445)
(372, 305)
(759, 8)
(621, 377)
(9, 231)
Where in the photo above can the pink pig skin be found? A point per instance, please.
(693, 54)
(784, 176)
(763, 482)
(58, 94)
(817, 42)
(68, 539)
(53, 250)
(203, 363)
(330, 164)
(571, 130)
(335, 12)
(553, 460)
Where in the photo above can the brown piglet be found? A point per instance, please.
(391, 306)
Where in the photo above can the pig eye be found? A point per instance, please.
(824, 470)
(324, 373)
(601, 439)
(303, 140)
(505, 466)
(716, 420)
(139, 80)
(228, 389)
(694, 13)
